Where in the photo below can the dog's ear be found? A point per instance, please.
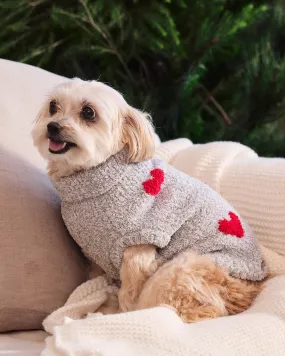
(138, 135)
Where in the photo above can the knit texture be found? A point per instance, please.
(87, 298)
(253, 185)
(260, 331)
(158, 331)
(116, 205)
(91, 295)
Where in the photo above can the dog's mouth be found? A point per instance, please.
(57, 146)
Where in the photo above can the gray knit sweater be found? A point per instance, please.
(115, 205)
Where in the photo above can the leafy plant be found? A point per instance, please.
(207, 70)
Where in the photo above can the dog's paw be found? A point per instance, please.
(127, 299)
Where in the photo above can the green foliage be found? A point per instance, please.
(207, 70)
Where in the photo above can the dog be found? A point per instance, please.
(94, 142)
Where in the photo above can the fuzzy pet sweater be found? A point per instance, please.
(255, 186)
(116, 205)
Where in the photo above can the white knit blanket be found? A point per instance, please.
(160, 332)
(233, 170)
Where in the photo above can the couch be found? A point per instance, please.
(41, 266)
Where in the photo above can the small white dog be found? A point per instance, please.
(83, 125)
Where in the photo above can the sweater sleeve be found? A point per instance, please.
(255, 186)
(145, 236)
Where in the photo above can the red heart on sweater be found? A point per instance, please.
(232, 226)
(152, 186)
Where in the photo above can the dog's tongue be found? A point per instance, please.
(56, 146)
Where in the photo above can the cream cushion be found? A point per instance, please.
(40, 265)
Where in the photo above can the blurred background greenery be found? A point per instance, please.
(205, 69)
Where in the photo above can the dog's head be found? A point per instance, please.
(82, 124)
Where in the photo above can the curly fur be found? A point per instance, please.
(192, 285)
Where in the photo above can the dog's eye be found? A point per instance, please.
(87, 113)
(52, 107)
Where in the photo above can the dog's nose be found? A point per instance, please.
(53, 128)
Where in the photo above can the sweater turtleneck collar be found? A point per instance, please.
(94, 181)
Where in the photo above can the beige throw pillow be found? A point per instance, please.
(40, 265)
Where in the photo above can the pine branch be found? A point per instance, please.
(107, 38)
(224, 115)
(192, 64)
